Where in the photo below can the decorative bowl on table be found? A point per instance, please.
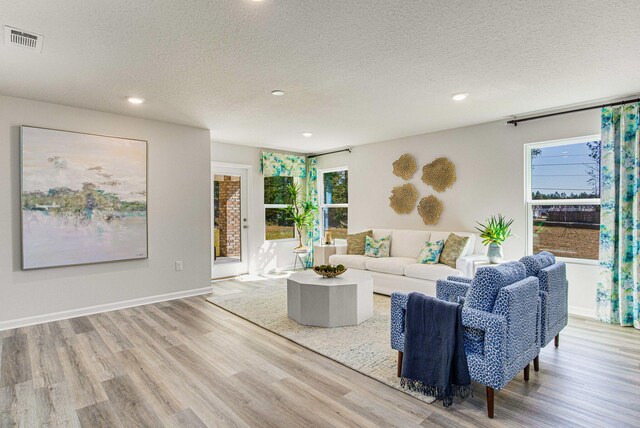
(329, 271)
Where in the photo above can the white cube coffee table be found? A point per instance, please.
(330, 302)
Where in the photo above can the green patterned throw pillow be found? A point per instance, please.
(355, 242)
(430, 253)
(453, 249)
(377, 247)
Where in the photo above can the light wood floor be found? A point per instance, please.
(189, 363)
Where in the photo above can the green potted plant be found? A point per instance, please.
(300, 211)
(494, 232)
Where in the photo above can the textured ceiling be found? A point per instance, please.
(354, 71)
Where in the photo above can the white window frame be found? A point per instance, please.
(321, 204)
(530, 202)
(296, 181)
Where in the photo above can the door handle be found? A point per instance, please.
(245, 227)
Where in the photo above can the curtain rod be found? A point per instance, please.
(515, 122)
(329, 153)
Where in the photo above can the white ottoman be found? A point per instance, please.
(330, 302)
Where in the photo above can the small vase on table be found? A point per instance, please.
(493, 233)
(494, 253)
(327, 238)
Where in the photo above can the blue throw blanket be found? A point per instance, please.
(434, 361)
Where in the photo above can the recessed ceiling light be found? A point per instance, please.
(277, 92)
(135, 100)
(307, 134)
(459, 97)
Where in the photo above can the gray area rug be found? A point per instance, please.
(364, 348)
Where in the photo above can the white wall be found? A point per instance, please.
(265, 256)
(489, 161)
(179, 220)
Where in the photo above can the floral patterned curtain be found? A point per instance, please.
(618, 292)
(287, 165)
(282, 165)
(313, 234)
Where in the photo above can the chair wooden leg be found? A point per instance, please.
(400, 355)
(557, 341)
(490, 402)
(526, 373)
(536, 363)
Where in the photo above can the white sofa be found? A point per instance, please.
(401, 271)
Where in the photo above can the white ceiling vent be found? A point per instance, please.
(24, 39)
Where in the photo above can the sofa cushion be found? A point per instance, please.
(489, 281)
(534, 264)
(393, 265)
(408, 243)
(454, 247)
(377, 247)
(356, 242)
(353, 261)
(429, 272)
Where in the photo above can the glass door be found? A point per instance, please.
(230, 223)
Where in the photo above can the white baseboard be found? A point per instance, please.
(73, 313)
(583, 312)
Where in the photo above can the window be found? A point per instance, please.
(276, 198)
(563, 197)
(333, 194)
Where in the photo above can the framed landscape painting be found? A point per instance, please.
(83, 196)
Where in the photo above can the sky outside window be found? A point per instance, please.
(567, 171)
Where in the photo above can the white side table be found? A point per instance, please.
(484, 263)
(321, 254)
(300, 254)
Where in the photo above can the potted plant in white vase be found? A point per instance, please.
(496, 230)
(301, 212)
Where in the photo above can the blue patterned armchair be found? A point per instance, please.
(554, 289)
(501, 313)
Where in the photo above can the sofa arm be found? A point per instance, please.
(451, 291)
(520, 304)
(485, 321)
(495, 333)
(465, 264)
(553, 278)
(462, 279)
(398, 311)
(341, 249)
(544, 318)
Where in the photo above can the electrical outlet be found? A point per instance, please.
(178, 265)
